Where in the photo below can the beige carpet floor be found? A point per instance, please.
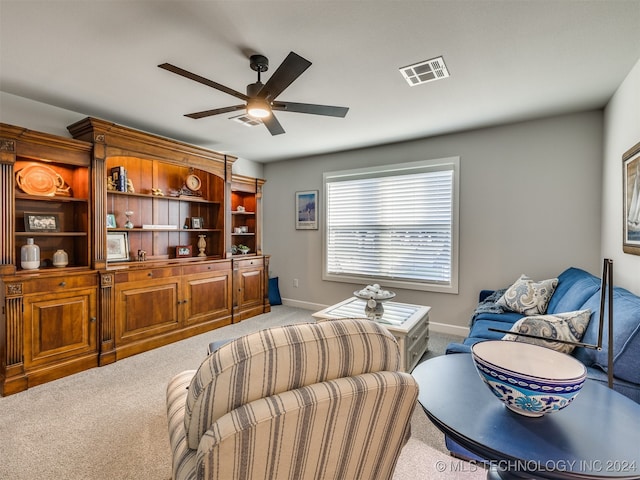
(109, 423)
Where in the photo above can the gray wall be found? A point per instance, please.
(622, 131)
(530, 201)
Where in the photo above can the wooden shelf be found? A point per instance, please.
(182, 198)
(185, 230)
(51, 234)
(55, 198)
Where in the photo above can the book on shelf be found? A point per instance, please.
(119, 176)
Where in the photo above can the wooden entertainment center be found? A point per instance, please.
(174, 271)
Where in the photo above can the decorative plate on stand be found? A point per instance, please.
(39, 180)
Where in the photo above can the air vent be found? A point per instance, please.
(424, 72)
(247, 121)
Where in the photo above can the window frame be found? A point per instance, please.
(449, 164)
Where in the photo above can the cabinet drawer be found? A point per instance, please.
(417, 333)
(417, 342)
(206, 267)
(59, 284)
(249, 263)
(147, 274)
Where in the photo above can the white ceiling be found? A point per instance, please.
(509, 60)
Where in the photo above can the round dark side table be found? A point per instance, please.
(596, 437)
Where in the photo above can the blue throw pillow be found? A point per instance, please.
(274, 292)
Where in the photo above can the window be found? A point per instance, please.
(396, 225)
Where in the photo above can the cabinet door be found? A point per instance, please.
(59, 326)
(249, 291)
(207, 297)
(146, 309)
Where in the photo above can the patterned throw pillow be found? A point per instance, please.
(528, 297)
(568, 326)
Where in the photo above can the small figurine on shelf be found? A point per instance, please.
(130, 188)
(202, 245)
(157, 192)
(111, 184)
(128, 223)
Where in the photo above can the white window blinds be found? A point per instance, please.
(394, 224)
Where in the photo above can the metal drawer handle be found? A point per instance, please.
(63, 284)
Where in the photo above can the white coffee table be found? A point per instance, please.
(408, 323)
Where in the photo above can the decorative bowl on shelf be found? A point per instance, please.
(529, 379)
(243, 249)
(374, 296)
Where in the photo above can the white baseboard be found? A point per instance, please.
(433, 326)
(449, 329)
(306, 305)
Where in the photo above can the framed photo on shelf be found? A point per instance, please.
(307, 210)
(41, 222)
(117, 247)
(111, 220)
(184, 251)
(197, 222)
(631, 200)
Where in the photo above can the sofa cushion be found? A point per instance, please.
(569, 326)
(626, 336)
(575, 286)
(508, 318)
(527, 296)
(481, 329)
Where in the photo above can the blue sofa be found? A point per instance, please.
(576, 290)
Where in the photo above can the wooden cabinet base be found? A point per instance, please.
(61, 323)
(141, 346)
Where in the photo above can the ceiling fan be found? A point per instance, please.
(261, 98)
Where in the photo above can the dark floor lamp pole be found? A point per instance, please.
(606, 292)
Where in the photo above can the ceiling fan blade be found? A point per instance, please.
(328, 110)
(291, 68)
(272, 123)
(215, 111)
(202, 80)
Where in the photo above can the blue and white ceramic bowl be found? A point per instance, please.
(529, 379)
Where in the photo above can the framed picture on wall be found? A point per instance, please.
(631, 200)
(307, 210)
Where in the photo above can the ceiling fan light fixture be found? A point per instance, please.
(258, 108)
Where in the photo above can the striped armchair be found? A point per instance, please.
(321, 401)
